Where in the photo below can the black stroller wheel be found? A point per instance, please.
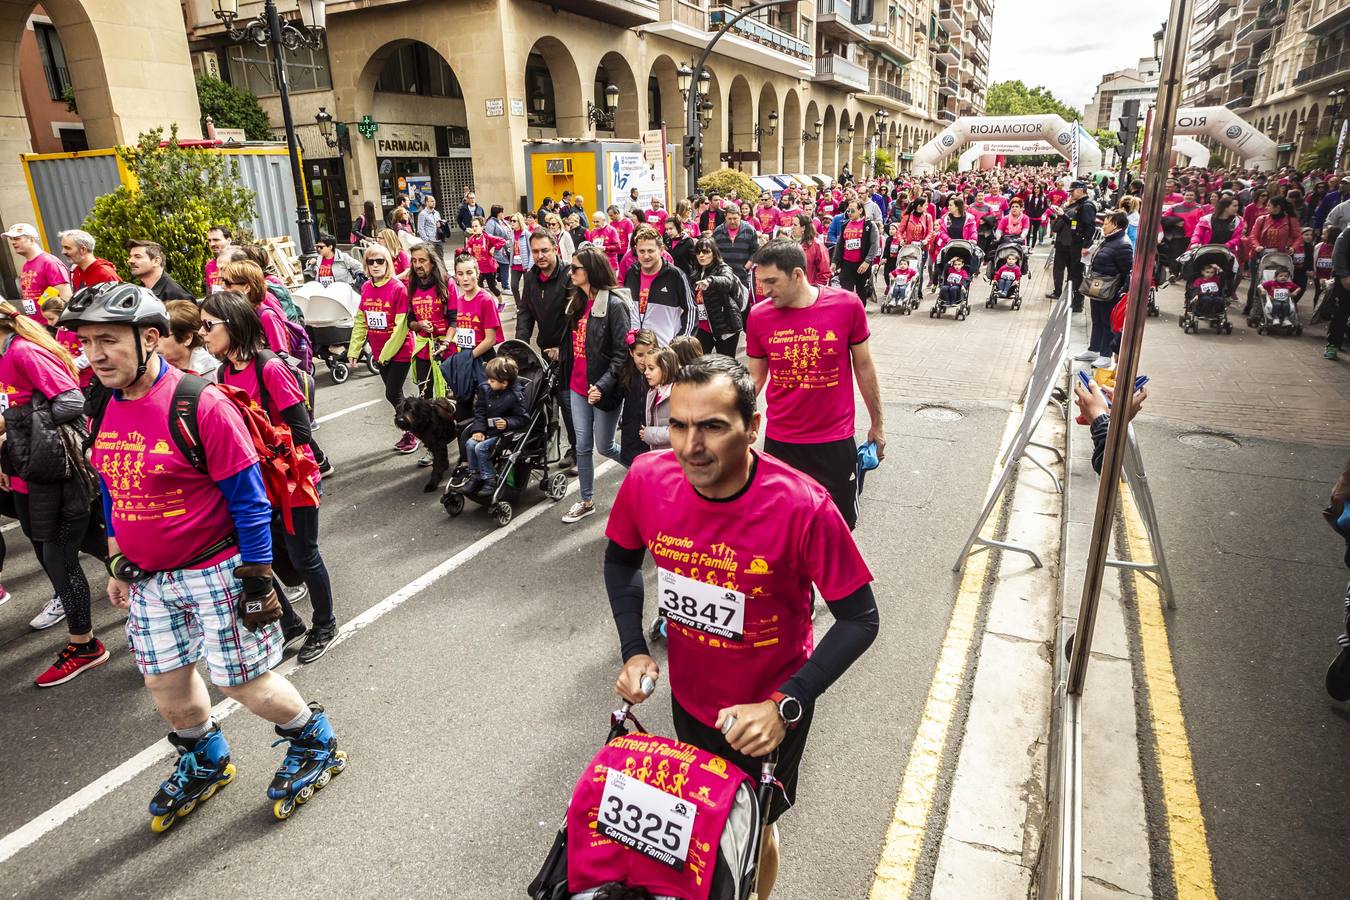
(454, 503)
(340, 372)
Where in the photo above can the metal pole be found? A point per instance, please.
(1170, 84)
(695, 161)
(302, 214)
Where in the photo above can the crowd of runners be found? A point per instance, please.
(173, 437)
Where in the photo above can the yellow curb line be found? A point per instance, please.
(1192, 869)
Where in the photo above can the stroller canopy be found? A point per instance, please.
(1209, 255)
(964, 249)
(327, 304)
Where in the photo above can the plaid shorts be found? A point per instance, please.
(175, 615)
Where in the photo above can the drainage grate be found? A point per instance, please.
(1208, 440)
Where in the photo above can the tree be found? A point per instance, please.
(1106, 139)
(230, 107)
(177, 195)
(729, 183)
(1013, 98)
(1319, 153)
(882, 165)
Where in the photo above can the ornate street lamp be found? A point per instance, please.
(603, 119)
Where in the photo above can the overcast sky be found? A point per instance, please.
(1068, 45)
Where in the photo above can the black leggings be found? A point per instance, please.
(394, 374)
(723, 345)
(303, 550)
(60, 559)
(1035, 234)
(1339, 313)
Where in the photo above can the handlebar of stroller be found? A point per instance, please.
(647, 686)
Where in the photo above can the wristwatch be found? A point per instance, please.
(789, 709)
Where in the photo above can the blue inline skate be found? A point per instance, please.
(311, 762)
(203, 768)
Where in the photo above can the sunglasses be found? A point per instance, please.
(229, 283)
(578, 268)
(376, 262)
(207, 325)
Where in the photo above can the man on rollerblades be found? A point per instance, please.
(190, 554)
(738, 539)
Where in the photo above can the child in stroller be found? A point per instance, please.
(1278, 296)
(957, 262)
(498, 408)
(1007, 279)
(903, 293)
(1210, 273)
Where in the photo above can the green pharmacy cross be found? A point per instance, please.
(367, 126)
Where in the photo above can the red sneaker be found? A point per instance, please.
(407, 444)
(70, 663)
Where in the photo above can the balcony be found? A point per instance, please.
(946, 115)
(878, 88)
(985, 6)
(749, 40)
(1240, 103)
(948, 86)
(1203, 70)
(624, 13)
(952, 15)
(981, 29)
(976, 82)
(1324, 73)
(835, 71)
(835, 18)
(1253, 30)
(948, 53)
(1241, 68)
(1332, 16)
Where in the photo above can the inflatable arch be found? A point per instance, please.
(1226, 127)
(1049, 129)
(1189, 147)
(972, 155)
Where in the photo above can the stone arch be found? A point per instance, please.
(713, 140)
(668, 108)
(768, 144)
(858, 149)
(829, 143)
(559, 87)
(110, 65)
(792, 121)
(1314, 121)
(630, 117)
(740, 112)
(810, 149)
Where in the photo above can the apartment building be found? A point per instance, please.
(457, 86)
(1139, 82)
(1283, 65)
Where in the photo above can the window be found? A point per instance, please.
(415, 68)
(654, 117)
(250, 67)
(53, 59)
(539, 93)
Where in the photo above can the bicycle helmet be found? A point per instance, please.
(115, 303)
(118, 303)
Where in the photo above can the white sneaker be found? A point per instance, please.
(1103, 362)
(52, 613)
(1086, 356)
(580, 510)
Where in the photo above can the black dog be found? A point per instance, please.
(433, 421)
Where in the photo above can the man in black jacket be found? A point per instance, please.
(468, 211)
(1073, 230)
(543, 302)
(1340, 294)
(665, 303)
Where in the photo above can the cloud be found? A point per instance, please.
(1059, 45)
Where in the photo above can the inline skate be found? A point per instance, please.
(203, 768)
(311, 762)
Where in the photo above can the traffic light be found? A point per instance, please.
(1129, 126)
(690, 147)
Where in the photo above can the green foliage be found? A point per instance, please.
(177, 194)
(729, 182)
(882, 164)
(68, 95)
(1319, 153)
(1013, 98)
(230, 107)
(1105, 138)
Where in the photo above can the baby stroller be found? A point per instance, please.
(972, 256)
(905, 297)
(522, 455)
(984, 232)
(1009, 246)
(1200, 306)
(590, 851)
(1171, 246)
(1266, 318)
(330, 312)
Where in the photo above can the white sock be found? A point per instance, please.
(196, 731)
(300, 721)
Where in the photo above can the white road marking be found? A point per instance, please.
(34, 830)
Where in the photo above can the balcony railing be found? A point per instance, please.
(1332, 65)
(1241, 68)
(1333, 15)
(946, 115)
(841, 71)
(951, 14)
(886, 89)
(1240, 103)
(758, 32)
(948, 86)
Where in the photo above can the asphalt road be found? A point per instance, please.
(469, 709)
(1259, 580)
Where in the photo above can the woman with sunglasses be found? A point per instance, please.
(598, 320)
(554, 224)
(717, 294)
(332, 265)
(382, 319)
(232, 332)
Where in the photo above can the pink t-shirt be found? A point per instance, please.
(211, 276)
(577, 379)
(769, 544)
(283, 392)
(476, 315)
(809, 397)
(765, 218)
(381, 305)
(39, 273)
(429, 308)
(274, 324)
(75, 347)
(25, 367)
(657, 219)
(608, 239)
(165, 512)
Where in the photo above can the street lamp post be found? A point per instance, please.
(604, 118)
(695, 104)
(267, 30)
